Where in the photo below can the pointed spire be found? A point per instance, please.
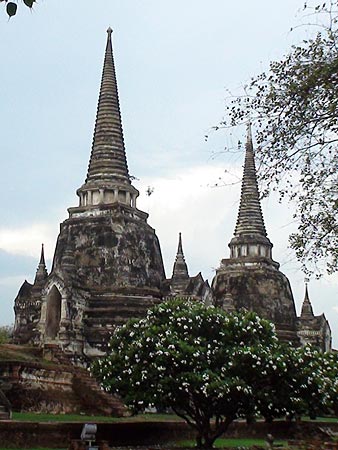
(41, 271)
(250, 238)
(42, 257)
(108, 182)
(250, 217)
(180, 269)
(307, 310)
(180, 247)
(108, 161)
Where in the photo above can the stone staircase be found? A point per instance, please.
(92, 396)
(87, 393)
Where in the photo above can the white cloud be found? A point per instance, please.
(188, 203)
(206, 215)
(27, 240)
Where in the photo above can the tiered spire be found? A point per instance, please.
(250, 217)
(180, 269)
(307, 310)
(108, 181)
(108, 157)
(250, 237)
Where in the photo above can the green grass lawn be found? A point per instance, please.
(35, 417)
(321, 419)
(42, 417)
(226, 443)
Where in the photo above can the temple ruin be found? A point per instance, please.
(108, 267)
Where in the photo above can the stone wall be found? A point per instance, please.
(56, 435)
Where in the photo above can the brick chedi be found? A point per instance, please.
(250, 278)
(180, 276)
(314, 330)
(181, 285)
(27, 305)
(107, 265)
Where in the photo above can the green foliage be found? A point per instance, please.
(325, 368)
(5, 334)
(313, 378)
(294, 108)
(12, 7)
(200, 362)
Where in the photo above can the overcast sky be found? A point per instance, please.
(176, 61)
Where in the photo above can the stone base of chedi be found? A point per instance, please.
(57, 387)
(107, 268)
(258, 286)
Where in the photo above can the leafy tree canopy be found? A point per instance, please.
(12, 7)
(6, 332)
(201, 363)
(294, 107)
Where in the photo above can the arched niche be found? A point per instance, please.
(53, 314)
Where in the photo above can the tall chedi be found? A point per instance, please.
(250, 278)
(107, 265)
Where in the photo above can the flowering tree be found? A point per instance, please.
(314, 376)
(330, 364)
(208, 367)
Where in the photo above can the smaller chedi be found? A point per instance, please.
(314, 330)
(27, 306)
(182, 285)
(251, 279)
